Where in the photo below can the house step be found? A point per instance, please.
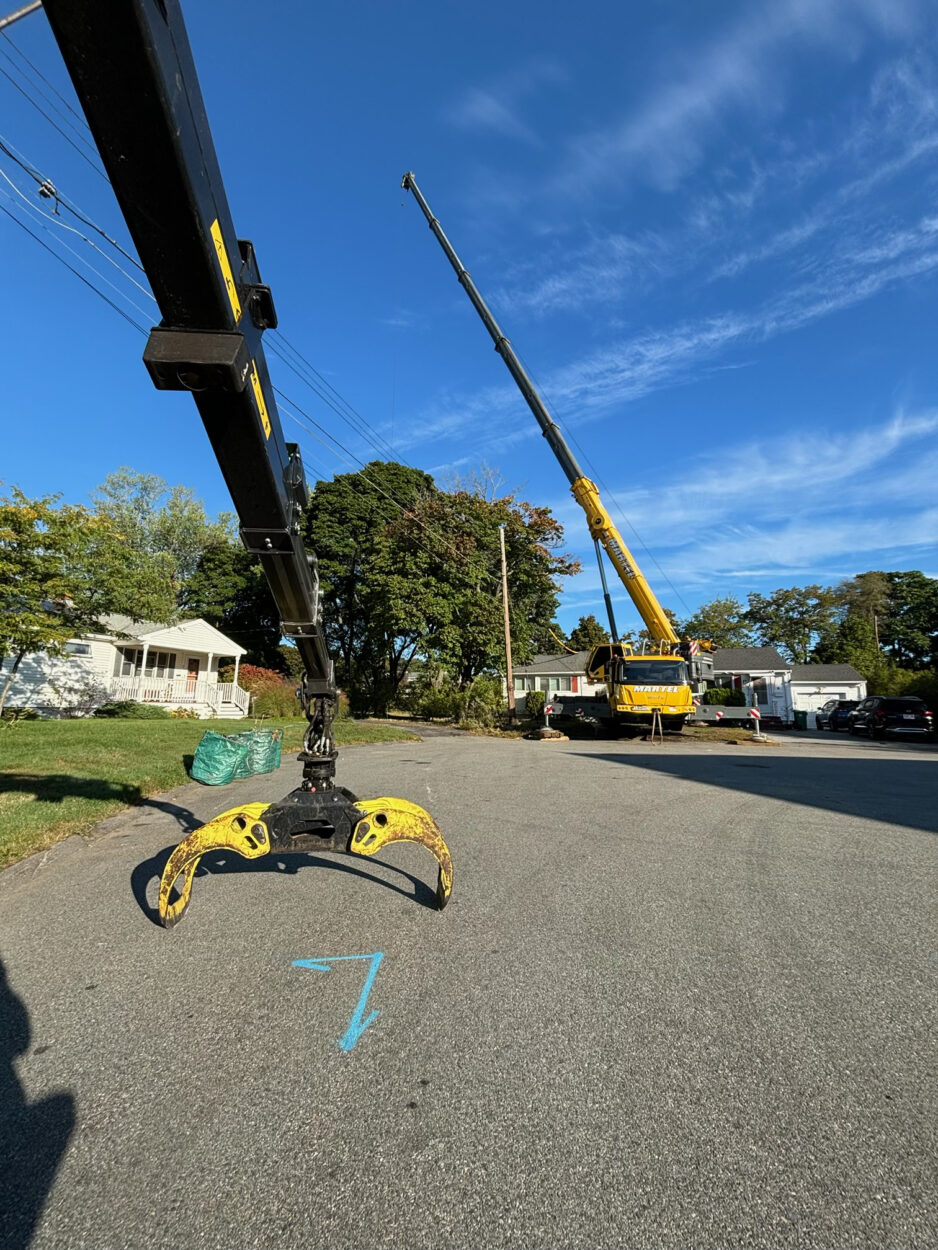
(229, 711)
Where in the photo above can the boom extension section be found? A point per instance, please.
(638, 686)
(132, 69)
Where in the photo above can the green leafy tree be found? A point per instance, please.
(852, 641)
(229, 590)
(909, 630)
(410, 570)
(62, 570)
(377, 593)
(157, 519)
(721, 621)
(587, 633)
(793, 620)
(466, 634)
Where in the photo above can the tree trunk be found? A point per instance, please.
(9, 681)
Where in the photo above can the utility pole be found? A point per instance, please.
(876, 629)
(509, 674)
(23, 12)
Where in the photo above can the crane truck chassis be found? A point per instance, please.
(132, 68)
(640, 687)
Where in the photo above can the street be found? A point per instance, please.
(682, 995)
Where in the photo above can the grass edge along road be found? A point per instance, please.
(59, 777)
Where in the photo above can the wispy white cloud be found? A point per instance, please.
(745, 67)
(496, 107)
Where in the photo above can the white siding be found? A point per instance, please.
(195, 638)
(809, 696)
(70, 684)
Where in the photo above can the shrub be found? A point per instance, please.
(13, 714)
(279, 700)
(723, 696)
(437, 702)
(127, 709)
(534, 702)
(184, 713)
(482, 702)
(342, 711)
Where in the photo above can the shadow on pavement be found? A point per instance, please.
(33, 1136)
(145, 877)
(895, 791)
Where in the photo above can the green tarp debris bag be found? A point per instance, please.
(218, 759)
(264, 746)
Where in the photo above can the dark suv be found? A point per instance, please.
(878, 716)
(834, 714)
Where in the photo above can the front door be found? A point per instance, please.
(192, 674)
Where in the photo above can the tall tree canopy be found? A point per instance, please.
(793, 619)
(409, 569)
(587, 633)
(63, 569)
(158, 519)
(721, 621)
(229, 590)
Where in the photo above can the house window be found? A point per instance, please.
(127, 663)
(561, 683)
(160, 664)
(523, 684)
(78, 648)
(543, 683)
(760, 691)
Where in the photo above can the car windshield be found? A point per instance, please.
(844, 703)
(637, 672)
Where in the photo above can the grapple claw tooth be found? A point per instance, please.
(396, 820)
(240, 829)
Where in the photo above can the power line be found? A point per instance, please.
(36, 70)
(48, 189)
(79, 276)
(363, 429)
(143, 312)
(97, 169)
(88, 141)
(34, 208)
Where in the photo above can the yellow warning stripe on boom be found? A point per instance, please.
(226, 270)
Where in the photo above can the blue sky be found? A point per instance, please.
(711, 232)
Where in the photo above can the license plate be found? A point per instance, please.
(908, 716)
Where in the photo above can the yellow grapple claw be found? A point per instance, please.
(396, 820)
(240, 829)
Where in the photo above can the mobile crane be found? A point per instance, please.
(132, 69)
(638, 685)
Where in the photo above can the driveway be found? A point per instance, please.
(682, 995)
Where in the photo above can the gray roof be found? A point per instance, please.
(825, 672)
(568, 662)
(115, 623)
(748, 660)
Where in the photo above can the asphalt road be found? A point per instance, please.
(682, 996)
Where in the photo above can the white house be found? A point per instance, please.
(763, 677)
(813, 684)
(169, 665)
(554, 673)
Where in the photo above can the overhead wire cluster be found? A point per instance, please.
(26, 214)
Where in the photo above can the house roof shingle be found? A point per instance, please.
(825, 672)
(748, 660)
(568, 662)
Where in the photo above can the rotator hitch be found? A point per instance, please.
(318, 817)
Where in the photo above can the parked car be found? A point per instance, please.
(824, 716)
(839, 717)
(878, 716)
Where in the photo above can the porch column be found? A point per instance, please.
(237, 659)
(211, 656)
(143, 666)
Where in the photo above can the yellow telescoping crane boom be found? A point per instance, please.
(132, 69)
(638, 685)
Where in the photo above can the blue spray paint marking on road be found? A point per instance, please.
(358, 1022)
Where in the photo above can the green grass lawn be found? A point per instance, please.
(62, 777)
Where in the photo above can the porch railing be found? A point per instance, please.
(179, 693)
